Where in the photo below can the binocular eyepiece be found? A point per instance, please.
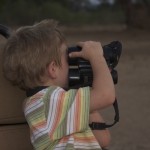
(80, 70)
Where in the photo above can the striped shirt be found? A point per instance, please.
(59, 119)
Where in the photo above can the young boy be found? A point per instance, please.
(36, 57)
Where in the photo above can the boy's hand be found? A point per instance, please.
(90, 50)
(102, 92)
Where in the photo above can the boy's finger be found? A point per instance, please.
(75, 54)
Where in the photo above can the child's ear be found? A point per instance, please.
(52, 70)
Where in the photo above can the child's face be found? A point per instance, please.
(63, 70)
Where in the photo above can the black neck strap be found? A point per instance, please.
(102, 126)
(93, 125)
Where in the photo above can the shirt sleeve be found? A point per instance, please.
(68, 112)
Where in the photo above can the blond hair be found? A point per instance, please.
(29, 51)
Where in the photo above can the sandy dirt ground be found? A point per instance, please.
(133, 88)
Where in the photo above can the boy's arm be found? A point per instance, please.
(102, 136)
(102, 91)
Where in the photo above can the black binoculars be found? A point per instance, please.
(80, 70)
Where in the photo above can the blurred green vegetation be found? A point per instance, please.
(22, 12)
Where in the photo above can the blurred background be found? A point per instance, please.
(71, 12)
(104, 20)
